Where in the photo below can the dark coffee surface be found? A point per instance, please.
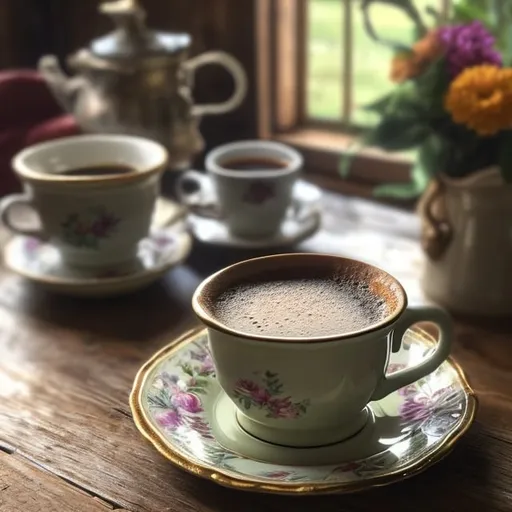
(254, 164)
(299, 307)
(99, 170)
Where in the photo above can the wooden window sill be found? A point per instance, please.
(322, 151)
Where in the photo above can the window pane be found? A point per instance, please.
(372, 60)
(324, 79)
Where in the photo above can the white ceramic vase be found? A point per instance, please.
(467, 239)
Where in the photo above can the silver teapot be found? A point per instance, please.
(138, 81)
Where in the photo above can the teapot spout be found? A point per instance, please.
(63, 87)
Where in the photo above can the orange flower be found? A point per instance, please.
(409, 65)
(428, 48)
(404, 67)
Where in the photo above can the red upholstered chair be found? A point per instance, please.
(28, 114)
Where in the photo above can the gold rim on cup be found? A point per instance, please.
(27, 174)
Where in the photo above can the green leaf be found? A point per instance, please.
(431, 88)
(429, 161)
(398, 133)
(506, 42)
(397, 191)
(187, 369)
(436, 15)
(505, 156)
(468, 10)
(432, 155)
(348, 157)
(380, 106)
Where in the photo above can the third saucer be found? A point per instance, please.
(293, 230)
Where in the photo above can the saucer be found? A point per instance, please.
(293, 230)
(178, 405)
(40, 262)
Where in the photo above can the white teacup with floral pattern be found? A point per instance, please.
(313, 391)
(94, 220)
(253, 203)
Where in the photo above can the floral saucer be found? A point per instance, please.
(295, 228)
(177, 404)
(40, 262)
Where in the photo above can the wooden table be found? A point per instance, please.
(67, 440)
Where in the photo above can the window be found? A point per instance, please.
(318, 66)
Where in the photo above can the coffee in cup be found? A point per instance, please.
(94, 195)
(254, 164)
(99, 170)
(301, 343)
(299, 306)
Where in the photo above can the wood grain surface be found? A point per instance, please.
(67, 366)
(25, 487)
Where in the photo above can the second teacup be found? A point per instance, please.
(301, 343)
(94, 195)
(253, 182)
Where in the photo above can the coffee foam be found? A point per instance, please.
(301, 308)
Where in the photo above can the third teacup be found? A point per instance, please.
(253, 183)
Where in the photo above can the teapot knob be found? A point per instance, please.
(117, 6)
(127, 14)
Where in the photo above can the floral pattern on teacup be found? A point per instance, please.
(86, 229)
(258, 192)
(269, 397)
(180, 393)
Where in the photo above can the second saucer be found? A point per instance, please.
(40, 263)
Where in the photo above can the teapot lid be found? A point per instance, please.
(132, 39)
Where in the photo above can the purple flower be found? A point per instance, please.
(416, 408)
(163, 240)
(206, 368)
(32, 244)
(277, 475)
(186, 401)
(200, 426)
(171, 418)
(468, 45)
(199, 356)
(168, 380)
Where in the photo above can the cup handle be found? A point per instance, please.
(234, 68)
(196, 200)
(5, 215)
(411, 316)
(302, 211)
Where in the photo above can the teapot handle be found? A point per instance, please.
(237, 72)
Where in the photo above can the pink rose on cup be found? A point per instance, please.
(283, 408)
(268, 396)
(259, 192)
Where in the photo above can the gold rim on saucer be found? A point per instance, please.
(183, 247)
(226, 478)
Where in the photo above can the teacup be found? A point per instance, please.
(253, 185)
(94, 195)
(312, 391)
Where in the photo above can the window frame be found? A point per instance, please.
(281, 72)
